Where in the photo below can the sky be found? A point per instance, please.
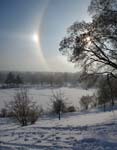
(31, 30)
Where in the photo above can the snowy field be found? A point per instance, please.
(93, 130)
(42, 96)
(76, 131)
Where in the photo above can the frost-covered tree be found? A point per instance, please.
(23, 109)
(58, 103)
(93, 45)
(18, 80)
(85, 102)
(10, 79)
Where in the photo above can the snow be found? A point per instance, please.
(75, 131)
(91, 130)
(42, 96)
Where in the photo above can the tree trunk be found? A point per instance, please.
(111, 90)
(59, 115)
(104, 107)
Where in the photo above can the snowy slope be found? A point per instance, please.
(75, 131)
(42, 96)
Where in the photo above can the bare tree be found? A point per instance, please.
(23, 109)
(58, 103)
(18, 80)
(10, 80)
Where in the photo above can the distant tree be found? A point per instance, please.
(50, 79)
(94, 100)
(3, 112)
(18, 80)
(105, 92)
(10, 79)
(85, 101)
(58, 103)
(1, 77)
(23, 109)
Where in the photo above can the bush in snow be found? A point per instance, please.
(71, 109)
(58, 103)
(23, 109)
(34, 113)
(85, 101)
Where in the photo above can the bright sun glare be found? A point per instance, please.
(88, 39)
(35, 38)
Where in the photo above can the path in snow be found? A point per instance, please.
(92, 131)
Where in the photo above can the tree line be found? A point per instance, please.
(26, 111)
(13, 80)
(39, 78)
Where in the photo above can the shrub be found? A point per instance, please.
(35, 112)
(71, 109)
(23, 109)
(85, 101)
(58, 103)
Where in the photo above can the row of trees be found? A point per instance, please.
(40, 78)
(12, 80)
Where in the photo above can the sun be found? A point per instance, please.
(88, 40)
(35, 38)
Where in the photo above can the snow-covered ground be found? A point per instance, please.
(93, 130)
(42, 96)
(75, 131)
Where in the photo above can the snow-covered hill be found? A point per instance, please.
(75, 131)
(42, 96)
